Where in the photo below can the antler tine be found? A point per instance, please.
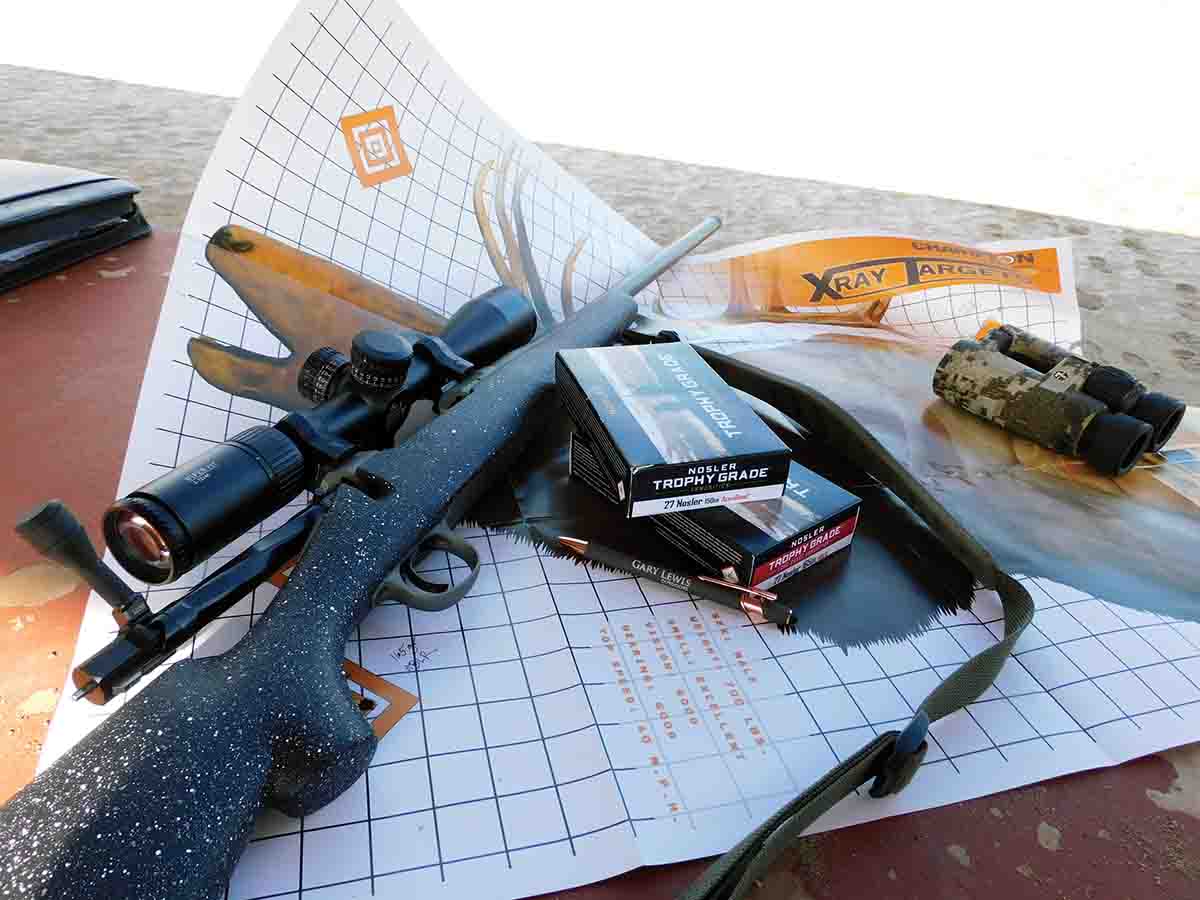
(568, 295)
(242, 372)
(495, 254)
(533, 280)
(506, 229)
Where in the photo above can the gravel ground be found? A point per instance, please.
(1140, 290)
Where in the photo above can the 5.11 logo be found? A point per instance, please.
(373, 140)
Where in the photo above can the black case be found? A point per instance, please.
(52, 217)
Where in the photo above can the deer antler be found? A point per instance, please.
(568, 298)
(514, 263)
(495, 254)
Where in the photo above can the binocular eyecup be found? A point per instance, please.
(1114, 442)
(1116, 388)
(1122, 393)
(1161, 413)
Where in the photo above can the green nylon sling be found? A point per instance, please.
(892, 759)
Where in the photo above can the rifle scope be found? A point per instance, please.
(169, 526)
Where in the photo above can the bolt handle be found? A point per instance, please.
(55, 532)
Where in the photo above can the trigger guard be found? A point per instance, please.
(405, 586)
(414, 578)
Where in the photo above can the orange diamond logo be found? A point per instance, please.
(374, 144)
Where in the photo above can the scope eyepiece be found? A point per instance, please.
(168, 527)
(175, 522)
(134, 530)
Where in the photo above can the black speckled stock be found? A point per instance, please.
(159, 800)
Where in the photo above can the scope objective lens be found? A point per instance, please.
(174, 523)
(142, 540)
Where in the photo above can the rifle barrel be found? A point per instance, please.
(652, 268)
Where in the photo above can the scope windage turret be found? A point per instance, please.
(1048, 408)
(1117, 389)
(174, 523)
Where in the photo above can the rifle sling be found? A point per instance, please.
(891, 760)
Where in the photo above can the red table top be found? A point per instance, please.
(74, 347)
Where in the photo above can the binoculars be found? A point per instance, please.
(1066, 403)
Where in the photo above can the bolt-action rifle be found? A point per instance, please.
(160, 800)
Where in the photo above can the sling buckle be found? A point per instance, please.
(906, 757)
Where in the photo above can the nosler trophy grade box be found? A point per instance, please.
(771, 540)
(669, 434)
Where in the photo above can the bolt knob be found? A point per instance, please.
(379, 360)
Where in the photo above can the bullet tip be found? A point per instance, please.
(575, 545)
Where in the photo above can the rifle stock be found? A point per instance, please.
(160, 800)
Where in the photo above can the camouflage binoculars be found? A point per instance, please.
(1064, 402)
